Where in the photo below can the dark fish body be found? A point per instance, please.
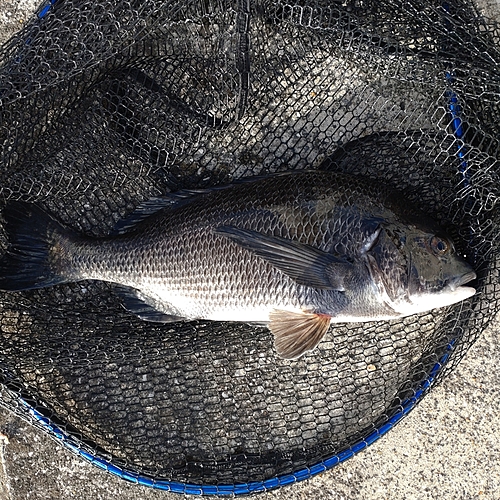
(295, 250)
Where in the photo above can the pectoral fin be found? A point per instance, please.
(305, 264)
(296, 333)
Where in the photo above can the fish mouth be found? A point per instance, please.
(462, 280)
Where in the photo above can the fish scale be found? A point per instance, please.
(297, 251)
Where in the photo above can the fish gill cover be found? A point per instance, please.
(107, 104)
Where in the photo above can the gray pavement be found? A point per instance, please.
(447, 448)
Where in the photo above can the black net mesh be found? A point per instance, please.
(105, 104)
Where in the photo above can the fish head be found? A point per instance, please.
(419, 269)
(437, 273)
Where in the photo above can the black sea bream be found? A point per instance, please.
(296, 251)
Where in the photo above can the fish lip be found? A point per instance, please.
(461, 280)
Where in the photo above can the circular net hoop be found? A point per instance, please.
(105, 104)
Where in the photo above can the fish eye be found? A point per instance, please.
(439, 246)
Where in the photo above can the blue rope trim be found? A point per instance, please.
(456, 125)
(454, 107)
(46, 8)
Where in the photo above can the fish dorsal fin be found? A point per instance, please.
(145, 210)
(154, 205)
(144, 307)
(295, 333)
(179, 198)
(306, 265)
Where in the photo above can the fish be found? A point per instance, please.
(296, 251)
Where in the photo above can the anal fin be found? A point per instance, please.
(146, 308)
(295, 333)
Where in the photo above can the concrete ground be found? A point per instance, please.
(447, 448)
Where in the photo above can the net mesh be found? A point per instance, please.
(105, 104)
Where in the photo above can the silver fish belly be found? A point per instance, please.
(297, 251)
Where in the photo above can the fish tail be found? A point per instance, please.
(35, 256)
